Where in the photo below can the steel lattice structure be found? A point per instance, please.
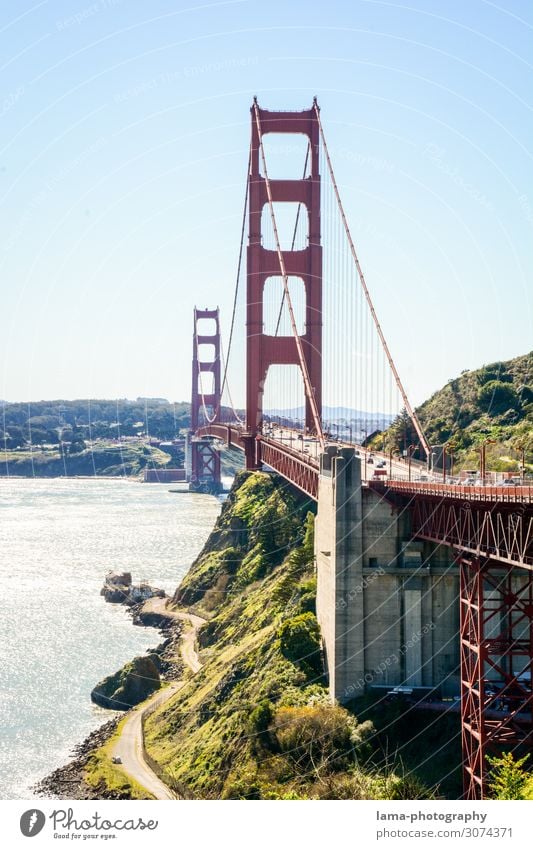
(496, 664)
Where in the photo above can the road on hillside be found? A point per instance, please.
(129, 747)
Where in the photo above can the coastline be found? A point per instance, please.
(133, 478)
(68, 781)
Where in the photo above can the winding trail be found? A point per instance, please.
(129, 747)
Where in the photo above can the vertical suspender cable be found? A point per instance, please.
(399, 384)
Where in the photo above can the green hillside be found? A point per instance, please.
(493, 404)
(256, 722)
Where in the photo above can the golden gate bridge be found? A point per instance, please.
(304, 342)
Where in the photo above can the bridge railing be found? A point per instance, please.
(506, 494)
(231, 434)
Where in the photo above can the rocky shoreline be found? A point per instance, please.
(68, 782)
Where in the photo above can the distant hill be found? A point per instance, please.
(336, 414)
(493, 403)
(41, 422)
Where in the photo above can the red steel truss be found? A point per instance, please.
(294, 466)
(503, 531)
(264, 350)
(230, 434)
(496, 664)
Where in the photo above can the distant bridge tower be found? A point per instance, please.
(263, 350)
(203, 464)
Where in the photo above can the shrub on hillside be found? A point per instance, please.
(508, 778)
(300, 640)
(319, 738)
(496, 397)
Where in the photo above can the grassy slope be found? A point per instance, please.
(472, 408)
(256, 721)
(101, 772)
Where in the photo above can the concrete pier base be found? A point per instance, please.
(387, 604)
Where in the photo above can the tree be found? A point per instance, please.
(496, 397)
(16, 438)
(401, 433)
(320, 738)
(300, 640)
(77, 446)
(38, 435)
(508, 778)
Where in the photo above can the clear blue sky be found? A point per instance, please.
(123, 145)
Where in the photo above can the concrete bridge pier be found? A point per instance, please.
(338, 551)
(387, 603)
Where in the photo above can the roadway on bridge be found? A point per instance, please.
(309, 446)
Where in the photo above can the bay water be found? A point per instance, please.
(58, 637)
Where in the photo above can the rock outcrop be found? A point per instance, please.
(117, 586)
(119, 589)
(130, 685)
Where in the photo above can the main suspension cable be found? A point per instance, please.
(239, 266)
(234, 311)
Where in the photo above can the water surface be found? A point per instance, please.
(57, 635)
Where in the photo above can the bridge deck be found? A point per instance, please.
(290, 459)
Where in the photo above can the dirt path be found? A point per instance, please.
(129, 747)
(188, 638)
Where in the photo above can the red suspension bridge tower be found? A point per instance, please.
(205, 405)
(264, 350)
